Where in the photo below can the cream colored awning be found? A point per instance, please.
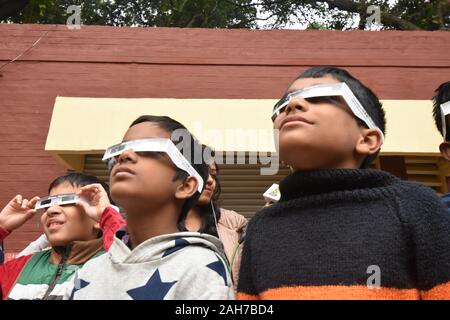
(82, 126)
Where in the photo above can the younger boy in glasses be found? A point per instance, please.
(73, 232)
(340, 230)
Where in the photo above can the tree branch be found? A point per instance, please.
(386, 18)
(393, 21)
(255, 4)
(345, 5)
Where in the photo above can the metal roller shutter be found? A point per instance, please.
(243, 186)
(93, 165)
(427, 170)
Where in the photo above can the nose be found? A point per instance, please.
(53, 211)
(295, 104)
(210, 180)
(127, 156)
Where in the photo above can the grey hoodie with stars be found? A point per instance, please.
(183, 265)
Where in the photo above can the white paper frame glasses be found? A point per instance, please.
(60, 200)
(154, 145)
(445, 111)
(329, 90)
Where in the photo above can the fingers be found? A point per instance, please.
(17, 199)
(90, 211)
(30, 213)
(24, 204)
(92, 190)
(83, 204)
(95, 187)
(29, 205)
(95, 194)
(32, 202)
(94, 200)
(19, 203)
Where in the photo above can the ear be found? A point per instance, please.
(444, 147)
(369, 142)
(186, 189)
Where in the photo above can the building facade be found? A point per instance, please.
(66, 85)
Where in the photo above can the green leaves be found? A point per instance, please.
(325, 14)
(163, 13)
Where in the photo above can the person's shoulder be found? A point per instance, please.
(263, 218)
(416, 191)
(196, 252)
(195, 261)
(43, 255)
(446, 198)
(232, 220)
(20, 261)
(201, 273)
(417, 202)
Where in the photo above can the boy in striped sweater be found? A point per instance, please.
(340, 230)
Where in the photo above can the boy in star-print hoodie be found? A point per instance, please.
(177, 266)
(155, 257)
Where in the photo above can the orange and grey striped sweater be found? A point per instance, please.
(348, 234)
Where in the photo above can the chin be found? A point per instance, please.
(203, 201)
(292, 147)
(120, 192)
(293, 138)
(125, 198)
(57, 241)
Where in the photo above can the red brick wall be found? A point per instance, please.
(181, 63)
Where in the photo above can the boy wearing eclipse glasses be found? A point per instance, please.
(441, 110)
(340, 230)
(79, 224)
(156, 258)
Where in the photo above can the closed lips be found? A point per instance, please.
(123, 169)
(294, 118)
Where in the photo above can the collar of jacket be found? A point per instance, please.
(81, 251)
(308, 183)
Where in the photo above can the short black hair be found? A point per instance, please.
(367, 97)
(198, 162)
(164, 122)
(442, 96)
(78, 179)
